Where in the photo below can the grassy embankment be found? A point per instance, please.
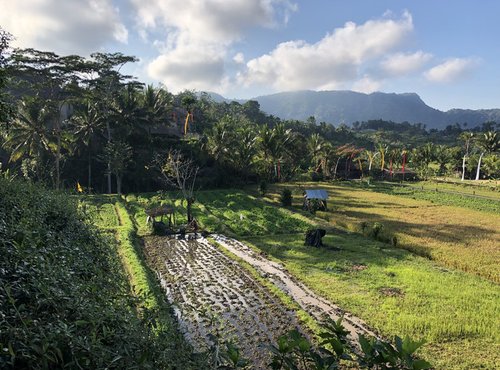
(64, 298)
(395, 291)
(111, 216)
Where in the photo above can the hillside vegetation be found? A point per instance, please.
(64, 298)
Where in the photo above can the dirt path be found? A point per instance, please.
(213, 294)
(308, 300)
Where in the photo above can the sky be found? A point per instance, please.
(447, 51)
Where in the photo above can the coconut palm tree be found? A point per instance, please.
(156, 104)
(29, 136)
(315, 146)
(488, 142)
(274, 146)
(244, 149)
(422, 157)
(443, 157)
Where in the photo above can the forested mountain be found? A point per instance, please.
(348, 106)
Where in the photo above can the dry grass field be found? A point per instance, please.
(453, 236)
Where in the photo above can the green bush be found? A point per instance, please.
(64, 299)
(263, 188)
(286, 197)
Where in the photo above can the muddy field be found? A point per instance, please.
(214, 295)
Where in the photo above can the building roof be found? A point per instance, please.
(317, 194)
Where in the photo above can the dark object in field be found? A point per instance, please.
(159, 228)
(313, 237)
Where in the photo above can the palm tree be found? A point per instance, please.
(29, 136)
(422, 157)
(219, 138)
(156, 104)
(489, 142)
(443, 157)
(315, 146)
(274, 143)
(245, 149)
(466, 137)
(87, 122)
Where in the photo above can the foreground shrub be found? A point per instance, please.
(64, 300)
(286, 197)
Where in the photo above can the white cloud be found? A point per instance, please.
(66, 27)
(452, 70)
(210, 20)
(188, 67)
(400, 64)
(366, 85)
(199, 34)
(239, 58)
(332, 61)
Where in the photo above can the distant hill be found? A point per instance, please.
(348, 106)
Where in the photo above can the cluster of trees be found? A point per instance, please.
(72, 119)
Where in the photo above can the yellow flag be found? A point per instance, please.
(79, 187)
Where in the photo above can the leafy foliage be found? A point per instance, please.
(64, 300)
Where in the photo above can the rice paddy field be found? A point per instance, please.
(442, 227)
(437, 280)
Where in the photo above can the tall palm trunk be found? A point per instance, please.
(463, 167)
(479, 166)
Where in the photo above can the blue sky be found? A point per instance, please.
(447, 51)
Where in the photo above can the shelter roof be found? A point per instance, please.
(317, 194)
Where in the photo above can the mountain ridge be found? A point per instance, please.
(345, 106)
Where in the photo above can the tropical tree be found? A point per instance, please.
(466, 137)
(6, 109)
(30, 137)
(275, 144)
(421, 158)
(370, 156)
(488, 142)
(315, 147)
(443, 156)
(118, 154)
(179, 172)
(156, 104)
(382, 151)
(88, 122)
(219, 138)
(244, 150)
(106, 82)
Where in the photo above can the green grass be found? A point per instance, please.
(453, 236)
(453, 311)
(233, 212)
(393, 290)
(111, 215)
(439, 194)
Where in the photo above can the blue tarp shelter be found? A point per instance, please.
(315, 199)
